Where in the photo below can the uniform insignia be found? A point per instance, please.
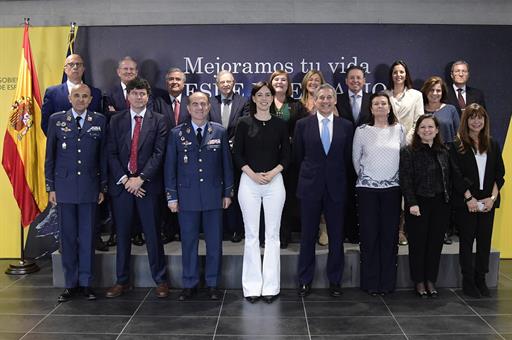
(64, 146)
(58, 123)
(187, 143)
(185, 159)
(89, 118)
(213, 141)
(182, 138)
(65, 129)
(68, 118)
(210, 130)
(94, 129)
(188, 130)
(62, 124)
(180, 133)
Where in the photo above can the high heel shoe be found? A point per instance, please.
(420, 290)
(431, 289)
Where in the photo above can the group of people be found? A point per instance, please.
(363, 165)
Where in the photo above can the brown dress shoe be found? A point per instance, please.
(162, 290)
(117, 290)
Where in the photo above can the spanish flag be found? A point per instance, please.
(24, 141)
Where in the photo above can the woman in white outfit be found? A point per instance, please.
(262, 151)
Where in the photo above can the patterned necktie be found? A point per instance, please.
(226, 111)
(78, 125)
(176, 110)
(326, 140)
(132, 165)
(460, 99)
(199, 136)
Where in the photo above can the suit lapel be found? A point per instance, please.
(315, 126)
(87, 122)
(126, 126)
(147, 122)
(235, 108)
(207, 134)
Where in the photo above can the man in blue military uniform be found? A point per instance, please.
(76, 178)
(199, 184)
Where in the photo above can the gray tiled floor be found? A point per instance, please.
(28, 310)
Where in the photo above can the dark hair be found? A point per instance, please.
(391, 116)
(484, 138)
(138, 84)
(281, 73)
(429, 84)
(255, 88)
(354, 67)
(408, 81)
(416, 140)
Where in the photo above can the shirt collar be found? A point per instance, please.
(133, 113)
(358, 94)
(75, 114)
(203, 127)
(320, 117)
(455, 87)
(173, 98)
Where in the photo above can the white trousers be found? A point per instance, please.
(257, 281)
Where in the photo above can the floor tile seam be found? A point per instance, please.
(94, 315)
(23, 314)
(306, 317)
(505, 276)
(481, 318)
(135, 312)
(219, 315)
(72, 333)
(13, 283)
(394, 318)
(41, 321)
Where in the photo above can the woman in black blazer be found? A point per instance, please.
(481, 166)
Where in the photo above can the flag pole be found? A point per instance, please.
(23, 266)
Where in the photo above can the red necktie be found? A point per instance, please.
(176, 110)
(132, 165)
(460, 99)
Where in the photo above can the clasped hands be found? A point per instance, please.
(262, 177)
(134, 186)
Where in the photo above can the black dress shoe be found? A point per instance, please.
(88, 293)
(469, 288)
(304, 290)
(252, 299)
(166, 238)
(236, 238)
(66, 295)
(481, 285)
(213, 293)
(335, 290)
(99, 245)
(112, 240)
(138, 240)
(270, 298)
(187, 294)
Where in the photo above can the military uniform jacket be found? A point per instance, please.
(198, 176)
(76, 162)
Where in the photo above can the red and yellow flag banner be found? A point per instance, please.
(24, 141)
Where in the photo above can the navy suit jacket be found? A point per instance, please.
(76, 161)
(320, 173)
(345, 109)
(472, 96)
(151, 150)
(198, 176)
(237, 111)
(56, 99)
(163, 105)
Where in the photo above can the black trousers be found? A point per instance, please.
(379, 216)
(426, 234)
(474, 226)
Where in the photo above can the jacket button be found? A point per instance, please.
(79, 162)
(201, 180)
(78, 173)
(200, 170)
(79, 150)
(200, 160)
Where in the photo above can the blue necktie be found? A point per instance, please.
(326, 141)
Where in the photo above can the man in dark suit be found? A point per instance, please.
(459, 94)
(323, 151)
(117, 101)
(354, 105)
(199, 184)
(56, 97)
(76, 178)
(136, 147)
(173, 106)
(225, 109)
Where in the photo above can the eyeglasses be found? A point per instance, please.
(71, 65)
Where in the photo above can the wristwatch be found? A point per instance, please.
(493, 198)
